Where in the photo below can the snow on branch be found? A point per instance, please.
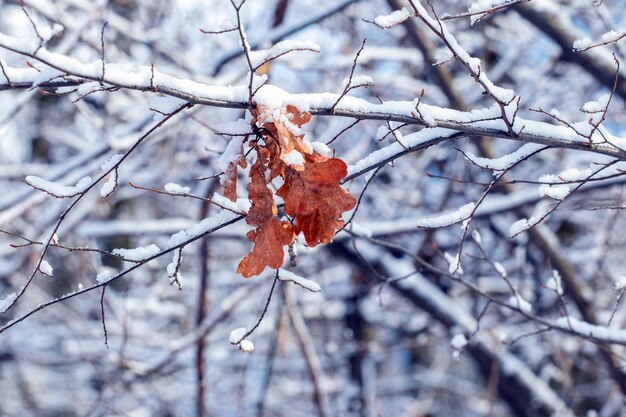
(457, 216)
(483, 8)
(480, 122)
(145, 253)
(506, 100)
(127, 76)
(505, 162)
(7, 302)
(542, 210)
(393, 19)
(307, 284)
(137, 254)
(202, 228)
(585, 44)
(176, 189)
(592, 331)
(410, 143)
(258, 58)
(58, 190)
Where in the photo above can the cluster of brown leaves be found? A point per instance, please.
(313, 197)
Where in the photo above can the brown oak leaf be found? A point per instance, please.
(283, 137)
(269, 239)
(316, 200)
(229, 180)
(310, 190)
(271, 234)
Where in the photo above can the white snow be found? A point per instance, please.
(17, 75)
(126, 75)
(258, 58)
(246, 346)
(481, 7)
(237, 335)
(600, 333)
(611, 36)
(392, 19)
(6, 302)
(477, 238)
(45, 268)
(231, 154)
(454, 263)
(108, 187)
(293, 158)
(174, 265)
(571, 174)
(520, 226)
(238, 128)
(110, 163)
(519, 302)
(137, 254)
(48, 32)
(200, 228)
(177, 189)
(382, 132)
(164, 105)
(458, 341)
(321, 148)
(104, 276)
(58, 190)
(608, 37)
(582, 44)
(541, 211)
(85, 88)
(357, 81)
(500, 269)
(556, 192)
(456, 216)
(312, 286)
(507, 161)
(417, 140)
(442, 55)
(620, 283)
(555, 283)
(242, 205)
(596, 105)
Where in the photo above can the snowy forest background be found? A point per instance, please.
(481, 273)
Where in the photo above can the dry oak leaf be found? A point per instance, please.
(271, 234)
(263, 205)
(229, 181)
(283, 135)
(316, 199)
(269, 239)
